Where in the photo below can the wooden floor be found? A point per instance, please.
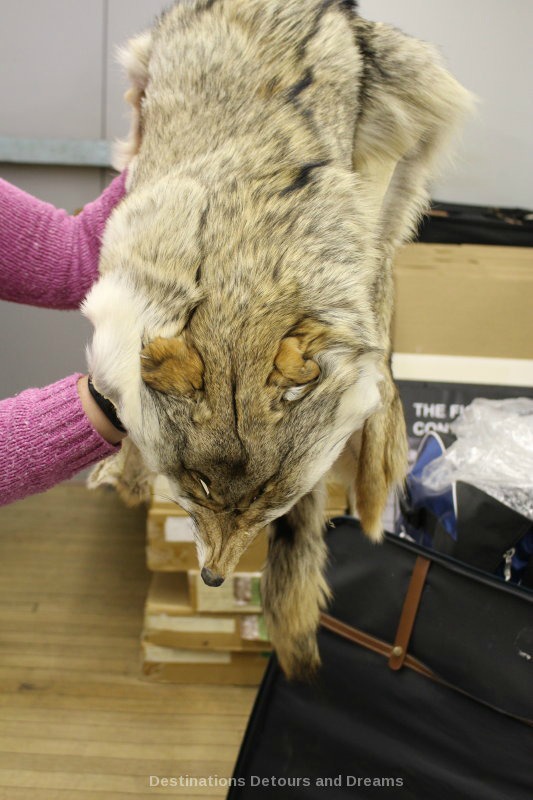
(77, 721)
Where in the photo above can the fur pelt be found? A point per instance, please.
(280, 153)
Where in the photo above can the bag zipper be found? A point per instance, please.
(507, 558)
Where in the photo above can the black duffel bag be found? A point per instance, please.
(457, 223)
(425, 692)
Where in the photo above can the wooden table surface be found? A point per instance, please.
(77, 720)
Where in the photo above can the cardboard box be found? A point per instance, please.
(253, 628)
(239, 594)
(470, 300)
(172, 665)
(171, 621)
(462, 329)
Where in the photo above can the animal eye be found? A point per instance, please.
(202, 480)
(204, 486)
(260, 492)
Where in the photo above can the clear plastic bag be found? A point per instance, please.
(493, 451)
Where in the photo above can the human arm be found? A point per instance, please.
(48, 435)
(47, 257)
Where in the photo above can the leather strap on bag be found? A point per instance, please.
(383, 648)
(409, 611)
(371, 643)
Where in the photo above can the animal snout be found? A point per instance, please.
(211, 578)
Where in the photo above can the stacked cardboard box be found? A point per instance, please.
(464, 300)
(184, 644)
(194, 633)
(462, 329)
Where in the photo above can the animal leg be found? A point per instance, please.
(293, 585)
(382, 460)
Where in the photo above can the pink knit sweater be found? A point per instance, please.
(48, 259)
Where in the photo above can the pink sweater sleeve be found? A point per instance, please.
(45, 438)
(47, 257)
(50, 259)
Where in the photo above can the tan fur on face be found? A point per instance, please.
(172, 366)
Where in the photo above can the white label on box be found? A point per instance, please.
(253, 628)
(174, 655)
(463, 369)
(193, 624)
(240, 592)
(179, 529)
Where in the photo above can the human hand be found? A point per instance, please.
(96, 416)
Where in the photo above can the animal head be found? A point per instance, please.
(239, 442)
(242, 442)
(239, 387)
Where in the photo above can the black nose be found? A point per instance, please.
(211, 578)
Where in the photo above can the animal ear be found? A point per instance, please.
(172, 366)
(134, 57)
(294, 366)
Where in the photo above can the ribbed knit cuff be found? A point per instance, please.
(47, 257)
(45, 438)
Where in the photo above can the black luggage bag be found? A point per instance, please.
(457, 223)
(425, 692)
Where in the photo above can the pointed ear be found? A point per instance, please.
(294, 366)
(172, 366)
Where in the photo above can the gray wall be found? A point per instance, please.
(59, 79)
(487, 46)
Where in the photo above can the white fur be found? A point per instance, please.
(113, 356)
(296, 392)
(358, 402)
(200, 551)
(122, 317)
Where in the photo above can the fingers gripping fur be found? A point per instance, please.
(382, 461)
(293, 585)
